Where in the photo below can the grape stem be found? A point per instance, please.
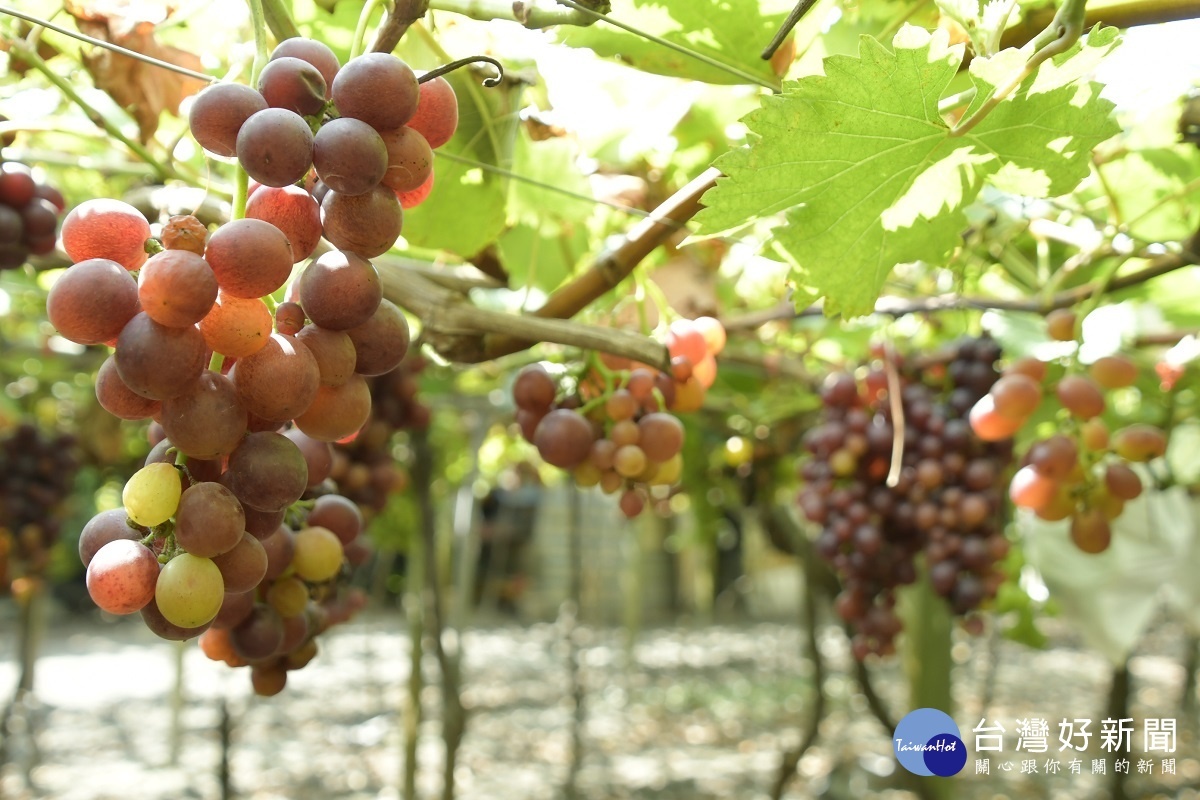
(897, 404)
(462, 62)
(793, 19)
(360, 30)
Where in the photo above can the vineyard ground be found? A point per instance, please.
(701, 715)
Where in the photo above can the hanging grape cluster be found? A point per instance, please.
(365, 469)
(1081, 473)
(623, 438)
(29, 214)
(370, 157)
(248, 399)
(37, 473)
(888, 487)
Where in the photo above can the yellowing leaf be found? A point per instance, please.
(144, 90)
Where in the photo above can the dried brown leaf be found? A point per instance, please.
(144, 90)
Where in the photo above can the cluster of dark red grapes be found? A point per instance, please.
(37, 474)
(370, 157)
(1081, 473)
(394, 396)
(365, 469)
(219, 550)
(943, 498)
(28, 215)
(624, 441)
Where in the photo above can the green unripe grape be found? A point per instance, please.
(288, 596)
(151, 496)
(318, 554)
(190, 590)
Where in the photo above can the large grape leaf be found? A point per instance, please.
(733, 32)
(867, 174)
(1156, 193)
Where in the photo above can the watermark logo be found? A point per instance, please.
(928, 742)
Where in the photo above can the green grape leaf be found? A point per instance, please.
(733, 32)
(867, 174)
(549, 163)
(542, 256)
(1157, 192)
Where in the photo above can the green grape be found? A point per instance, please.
(318, 554)
(288, 596)
(190, 590)
(151, 496)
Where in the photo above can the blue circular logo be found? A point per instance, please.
(927, 742)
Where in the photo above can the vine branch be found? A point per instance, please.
(403, 15)
(709, 60)
(614, 265)
(899, 307)
(1127, 14)
(523, 12)
(1059, 36)
(459, 330)
(792, 20)
(30, 55)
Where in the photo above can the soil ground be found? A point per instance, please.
(701, 713)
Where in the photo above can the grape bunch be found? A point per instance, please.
(333, 150)
(365, 469)
(942, 500)
(693, 345)
(1082, 472)
(29, 214)
(624, 441)
(615, 431)
(193, 344)
(203, 552)
(394, 396)
(37, 474)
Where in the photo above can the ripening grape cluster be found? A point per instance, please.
(333, 150)
(624, 443)
(616, 432)
(365, 469)
(203, 552)
(249, 398)
(37, 473)
(1082, 472)
(944, 501)
(28, 215)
